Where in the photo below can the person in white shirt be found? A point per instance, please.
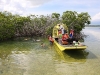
(62, 29)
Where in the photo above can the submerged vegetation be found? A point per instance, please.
(12, 26)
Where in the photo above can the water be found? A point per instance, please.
(29, 58)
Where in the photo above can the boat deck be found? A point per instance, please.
(68, 45)
(71, 45)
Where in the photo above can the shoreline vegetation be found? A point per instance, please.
(92, 25)
(13, 26)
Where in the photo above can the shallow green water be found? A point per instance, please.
(29, 58)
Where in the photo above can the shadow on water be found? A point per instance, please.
(76, 54)
(72, 55)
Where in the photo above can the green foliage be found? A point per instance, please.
(40, 25)
(75, 20)
(6, 26)
(10, 25)
(55, 15)
(20, 25)
(34, 25)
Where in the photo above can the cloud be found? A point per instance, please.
(12, 6)
(41, 7)
(95, 20)
(96, 17)
(20, 6)
(38, 2)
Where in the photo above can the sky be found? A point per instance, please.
(47, 7)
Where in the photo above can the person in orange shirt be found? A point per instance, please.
(65, 38)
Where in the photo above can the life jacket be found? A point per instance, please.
(65, 37)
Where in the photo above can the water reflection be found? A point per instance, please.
(26, 58)
(29, 58)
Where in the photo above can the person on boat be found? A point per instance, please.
(62, 29)
(71, 33)
(70, 40)
(65, 38)
(59, 33)
(51, 39)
